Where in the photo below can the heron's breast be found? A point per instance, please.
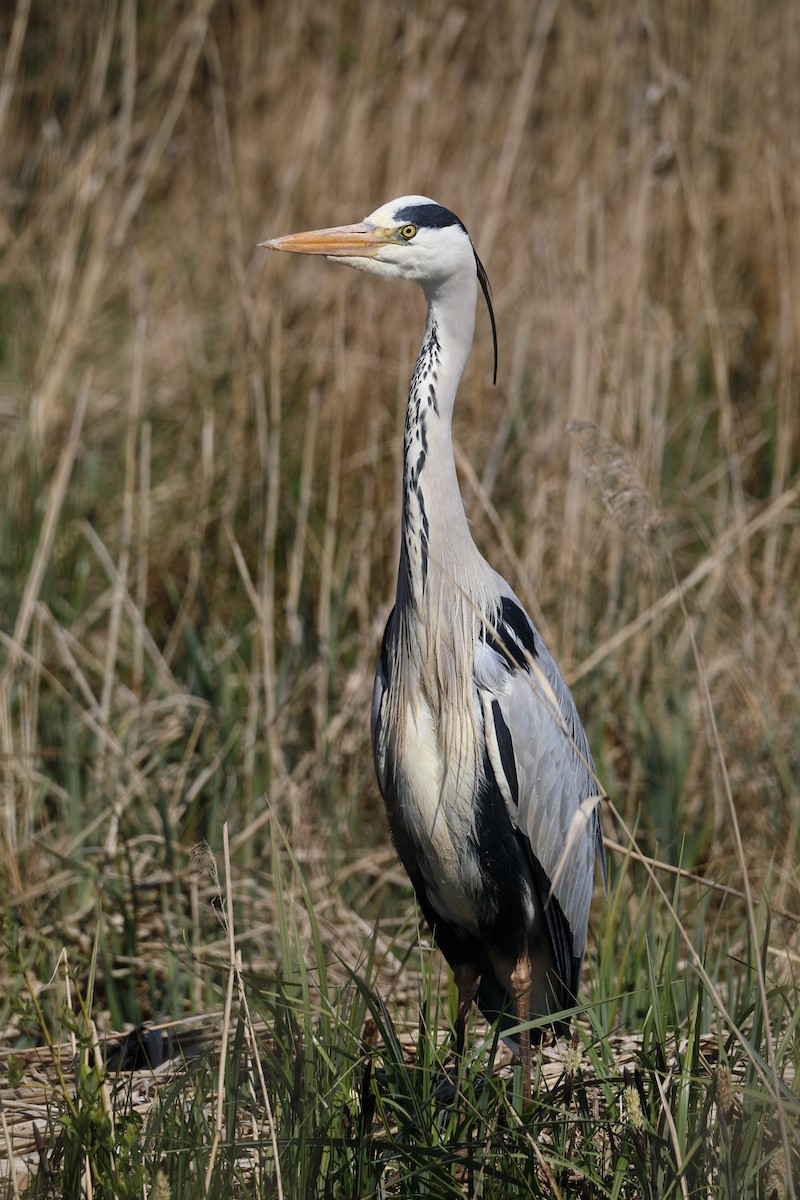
(435, 790)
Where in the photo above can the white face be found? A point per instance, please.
(426, 246)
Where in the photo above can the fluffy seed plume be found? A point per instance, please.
(622, 489)
(724, 1089)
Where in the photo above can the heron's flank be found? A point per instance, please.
(481, 757)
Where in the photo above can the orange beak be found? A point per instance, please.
(343, 241)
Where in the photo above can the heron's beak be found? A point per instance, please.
(343, 241)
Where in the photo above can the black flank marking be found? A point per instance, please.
(501, 916)
(568, 966)
(506, 748)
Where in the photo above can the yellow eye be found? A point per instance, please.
(408, 232)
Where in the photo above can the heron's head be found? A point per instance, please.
(412, 237)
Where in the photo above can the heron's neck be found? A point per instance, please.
(436, 542)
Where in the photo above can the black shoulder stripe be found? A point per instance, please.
(506, 747)
(513, 638)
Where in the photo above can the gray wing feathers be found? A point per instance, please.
(555, 776)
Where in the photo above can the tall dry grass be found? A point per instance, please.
(199, 443)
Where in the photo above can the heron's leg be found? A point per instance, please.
(467, 981)
(521, 987)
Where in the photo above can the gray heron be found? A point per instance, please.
(481, 758)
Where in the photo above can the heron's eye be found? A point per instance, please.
(408, 232)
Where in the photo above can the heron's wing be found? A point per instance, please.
(538, 752)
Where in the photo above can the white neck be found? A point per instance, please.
(436, 542)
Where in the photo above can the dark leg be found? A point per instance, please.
(467, 981)
(521, 987)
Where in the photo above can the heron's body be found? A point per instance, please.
(480, 755)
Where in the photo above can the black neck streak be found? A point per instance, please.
(421, 400)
